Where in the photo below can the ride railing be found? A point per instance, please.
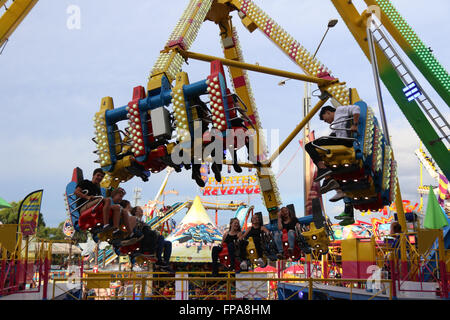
(201, 286)
(22, 272)
(405, 266)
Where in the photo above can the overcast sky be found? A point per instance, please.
(52, 80)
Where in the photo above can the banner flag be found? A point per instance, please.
(29, 213)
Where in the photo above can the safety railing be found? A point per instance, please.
(406, 265)
(201, 286)
(19, 271)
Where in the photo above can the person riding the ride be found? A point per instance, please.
(289, 222)
(344, 122)
(230, 237)
(255, 232)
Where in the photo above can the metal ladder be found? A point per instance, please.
(408, 78)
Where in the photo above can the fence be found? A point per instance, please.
(197, 285)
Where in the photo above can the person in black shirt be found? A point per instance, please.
(289, 222)
(254, 232)
(229, 237)
(88, 191)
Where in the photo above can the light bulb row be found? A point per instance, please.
(136, 132)
(180, 114)
(377, 150)
(217, 103)
(416, 44)
(292, 47)
(161, 63)
(175, 65)
(101, 135)
(275, 188)
(393, 179)
(196, 22)
(386, 168)
(182, 23)
(369, 133)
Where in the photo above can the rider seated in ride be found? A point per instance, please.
(255, 232)
(112, 206)
(163, 253)
(289, 222)
(341, 128)
(151, 242)
(135, 226)
(130, 218)
(135, 218)
(230, 238)
(88, 191)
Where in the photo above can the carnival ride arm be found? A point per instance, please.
(13, 16)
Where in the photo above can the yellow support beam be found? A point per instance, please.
(297, 129)
(257, 68)
(241, 84)
(13, 16)
(170, 63)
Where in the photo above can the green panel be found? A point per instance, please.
(417, 119)
(418, 52)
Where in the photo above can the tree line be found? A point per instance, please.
(11, 215)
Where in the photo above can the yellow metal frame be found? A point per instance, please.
(324, 85)
(252, 254)
(257, 68)
(339, 155)
(13, 16)
(141, 281)
(317, 238)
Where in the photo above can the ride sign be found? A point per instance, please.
(232, 185)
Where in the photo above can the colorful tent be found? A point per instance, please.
(434, 216)
(193, 239)
(294, 269)
(268, 268)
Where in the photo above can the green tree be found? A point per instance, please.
(49, 233)
(11, 215)
(57, 233)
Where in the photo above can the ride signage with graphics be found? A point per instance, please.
(29, 213)
(233, 185)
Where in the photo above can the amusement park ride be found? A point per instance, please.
(168, 120)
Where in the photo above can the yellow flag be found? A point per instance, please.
(29, 213)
